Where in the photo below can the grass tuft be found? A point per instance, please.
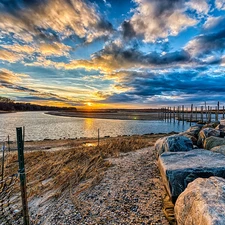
(60, 170)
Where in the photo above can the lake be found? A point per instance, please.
(39, 126)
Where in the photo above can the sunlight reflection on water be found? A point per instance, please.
(40, 126)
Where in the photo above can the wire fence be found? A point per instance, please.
(10, 204)
(13, 200)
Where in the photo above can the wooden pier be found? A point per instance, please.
(200, 114)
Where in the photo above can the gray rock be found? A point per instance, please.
(220, 127)
(210, 125)
(194, 130)
(212, 142)
(202, 203)
(207, 132)
(174, 143)
(219, 149)
(222, 122)
(180, 168)
(191, 137)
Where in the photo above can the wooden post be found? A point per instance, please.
(9, 144)
(183, 112)
(196, 113)
(20, 146)
(164, 113)
(209, 115)
(178, 113)
(23, 135)
(223, 112)
(170, 114)
(98, 137)
(201, 113)
(174, 109)
(191, 113)
(187, 114)
(206, 112)
(216, 113)
(218, 110)
(3, 160)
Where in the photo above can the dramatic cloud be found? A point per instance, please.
(207, 44)
(20, 48)
(155, 19)
(8, 56)
(214, 24)
(114, 57)
(201, 6)
(13, 81)
(54, 49)
(7, 76)
(220, 4)
(53, 19)
(169, 88)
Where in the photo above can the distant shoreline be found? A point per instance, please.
(112, 115)
(4, 112)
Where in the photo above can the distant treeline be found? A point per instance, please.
(7, 104)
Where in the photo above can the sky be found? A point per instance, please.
(113, 53)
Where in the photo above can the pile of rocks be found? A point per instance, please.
(192, 166)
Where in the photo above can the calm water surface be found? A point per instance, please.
(40, 126)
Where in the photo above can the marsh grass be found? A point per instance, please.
(57, 171)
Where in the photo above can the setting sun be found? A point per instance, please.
(89, 104)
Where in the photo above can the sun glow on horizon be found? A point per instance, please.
(89, 104)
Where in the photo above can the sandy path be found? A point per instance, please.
(130, 193)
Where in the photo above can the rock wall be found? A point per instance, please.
(186, 169)
(202, 203)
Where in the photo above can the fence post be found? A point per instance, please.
(3, 160)
(8, 144)
(20, 145)
(98, 137)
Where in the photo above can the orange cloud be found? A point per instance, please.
(54, 49)
(20, 48)
(64, 17)
(9, 56)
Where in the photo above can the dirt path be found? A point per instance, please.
(130, 193)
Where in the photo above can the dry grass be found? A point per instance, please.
(59, 170)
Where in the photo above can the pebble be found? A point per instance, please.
(129, 193)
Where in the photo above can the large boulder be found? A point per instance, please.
(180, 168)
(191, 137)
(202, 203)
(174, 143)
(212, 142)
(220, 127)
(210, 125)
(207, 132)
(194, 130)
(219, 149)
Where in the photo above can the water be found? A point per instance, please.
(40, 126)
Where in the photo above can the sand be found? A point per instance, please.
(114, 115)
(130, 192)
